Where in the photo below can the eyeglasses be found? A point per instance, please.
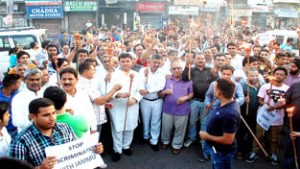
(279, 74)
(174, 68)
(231, 48)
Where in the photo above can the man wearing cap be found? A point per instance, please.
(294, 72)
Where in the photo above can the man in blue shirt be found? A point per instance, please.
(222, 126)
(10, 86)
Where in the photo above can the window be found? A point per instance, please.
(279, 39)
(295, 43)
(23, 41)
(4, 44)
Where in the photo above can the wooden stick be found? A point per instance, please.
(148, 69)
(255, 138)
(190, 50)
(126, 111)
(232, 20)
(293, 142)
(204, 112)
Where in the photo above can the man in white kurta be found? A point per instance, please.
(20, 103)
(153, 80)
(88, 83)
(124, 122)
(78, 102)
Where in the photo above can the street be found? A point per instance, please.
(144, 157)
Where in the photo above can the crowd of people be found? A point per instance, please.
(167, 87)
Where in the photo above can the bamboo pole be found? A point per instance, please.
(290, 112)
(126, 111)
(247, 51)
(253, 135)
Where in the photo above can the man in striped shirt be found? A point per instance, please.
(31, 143)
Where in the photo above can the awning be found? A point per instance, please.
(286, 12)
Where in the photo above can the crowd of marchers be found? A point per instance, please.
(175, 86)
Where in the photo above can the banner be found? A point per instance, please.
(75, 6)
(150, 7)
(187, 2)
(183, 10)
(266, 118)
(78, 154)
(44, 12)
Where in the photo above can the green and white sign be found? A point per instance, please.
(80, 6)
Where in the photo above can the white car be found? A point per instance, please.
(280, 36)
(17, 37)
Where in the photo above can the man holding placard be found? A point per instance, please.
(268, 98)
(30, 145)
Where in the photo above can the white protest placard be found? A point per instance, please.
(78, 154)
(266, 118)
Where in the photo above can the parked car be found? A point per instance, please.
(280, 36)
(17, 37)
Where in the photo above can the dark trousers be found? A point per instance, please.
(289, 160)
(106, 137)
(244, 137)
(138, 132)
(221, 160)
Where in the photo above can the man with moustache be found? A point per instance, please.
(20, 114)
(201, 76)
(294, 73)
(176, 94)
(153, 81)
(244, 138)
(87, 82)
(52, 51)
(77, 100)
(208, 57)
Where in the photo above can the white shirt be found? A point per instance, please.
(5, 140)
(81, 104)
(167, 67)
(20, 108)
(275, 95)
(91, 88)
(237, 62)
(154, 83)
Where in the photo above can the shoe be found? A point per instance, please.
(165, 146)
(188, 142)
(239, 156)
(143, 141)
(116, 157)
(176, 151)
(252, 157)
(127, 152)
(154, 147)
(203, 158)
(274, 160)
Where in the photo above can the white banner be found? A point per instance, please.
(78, 154)
(183, 10)
(266, 118)
(111, 1)
(187, 2)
